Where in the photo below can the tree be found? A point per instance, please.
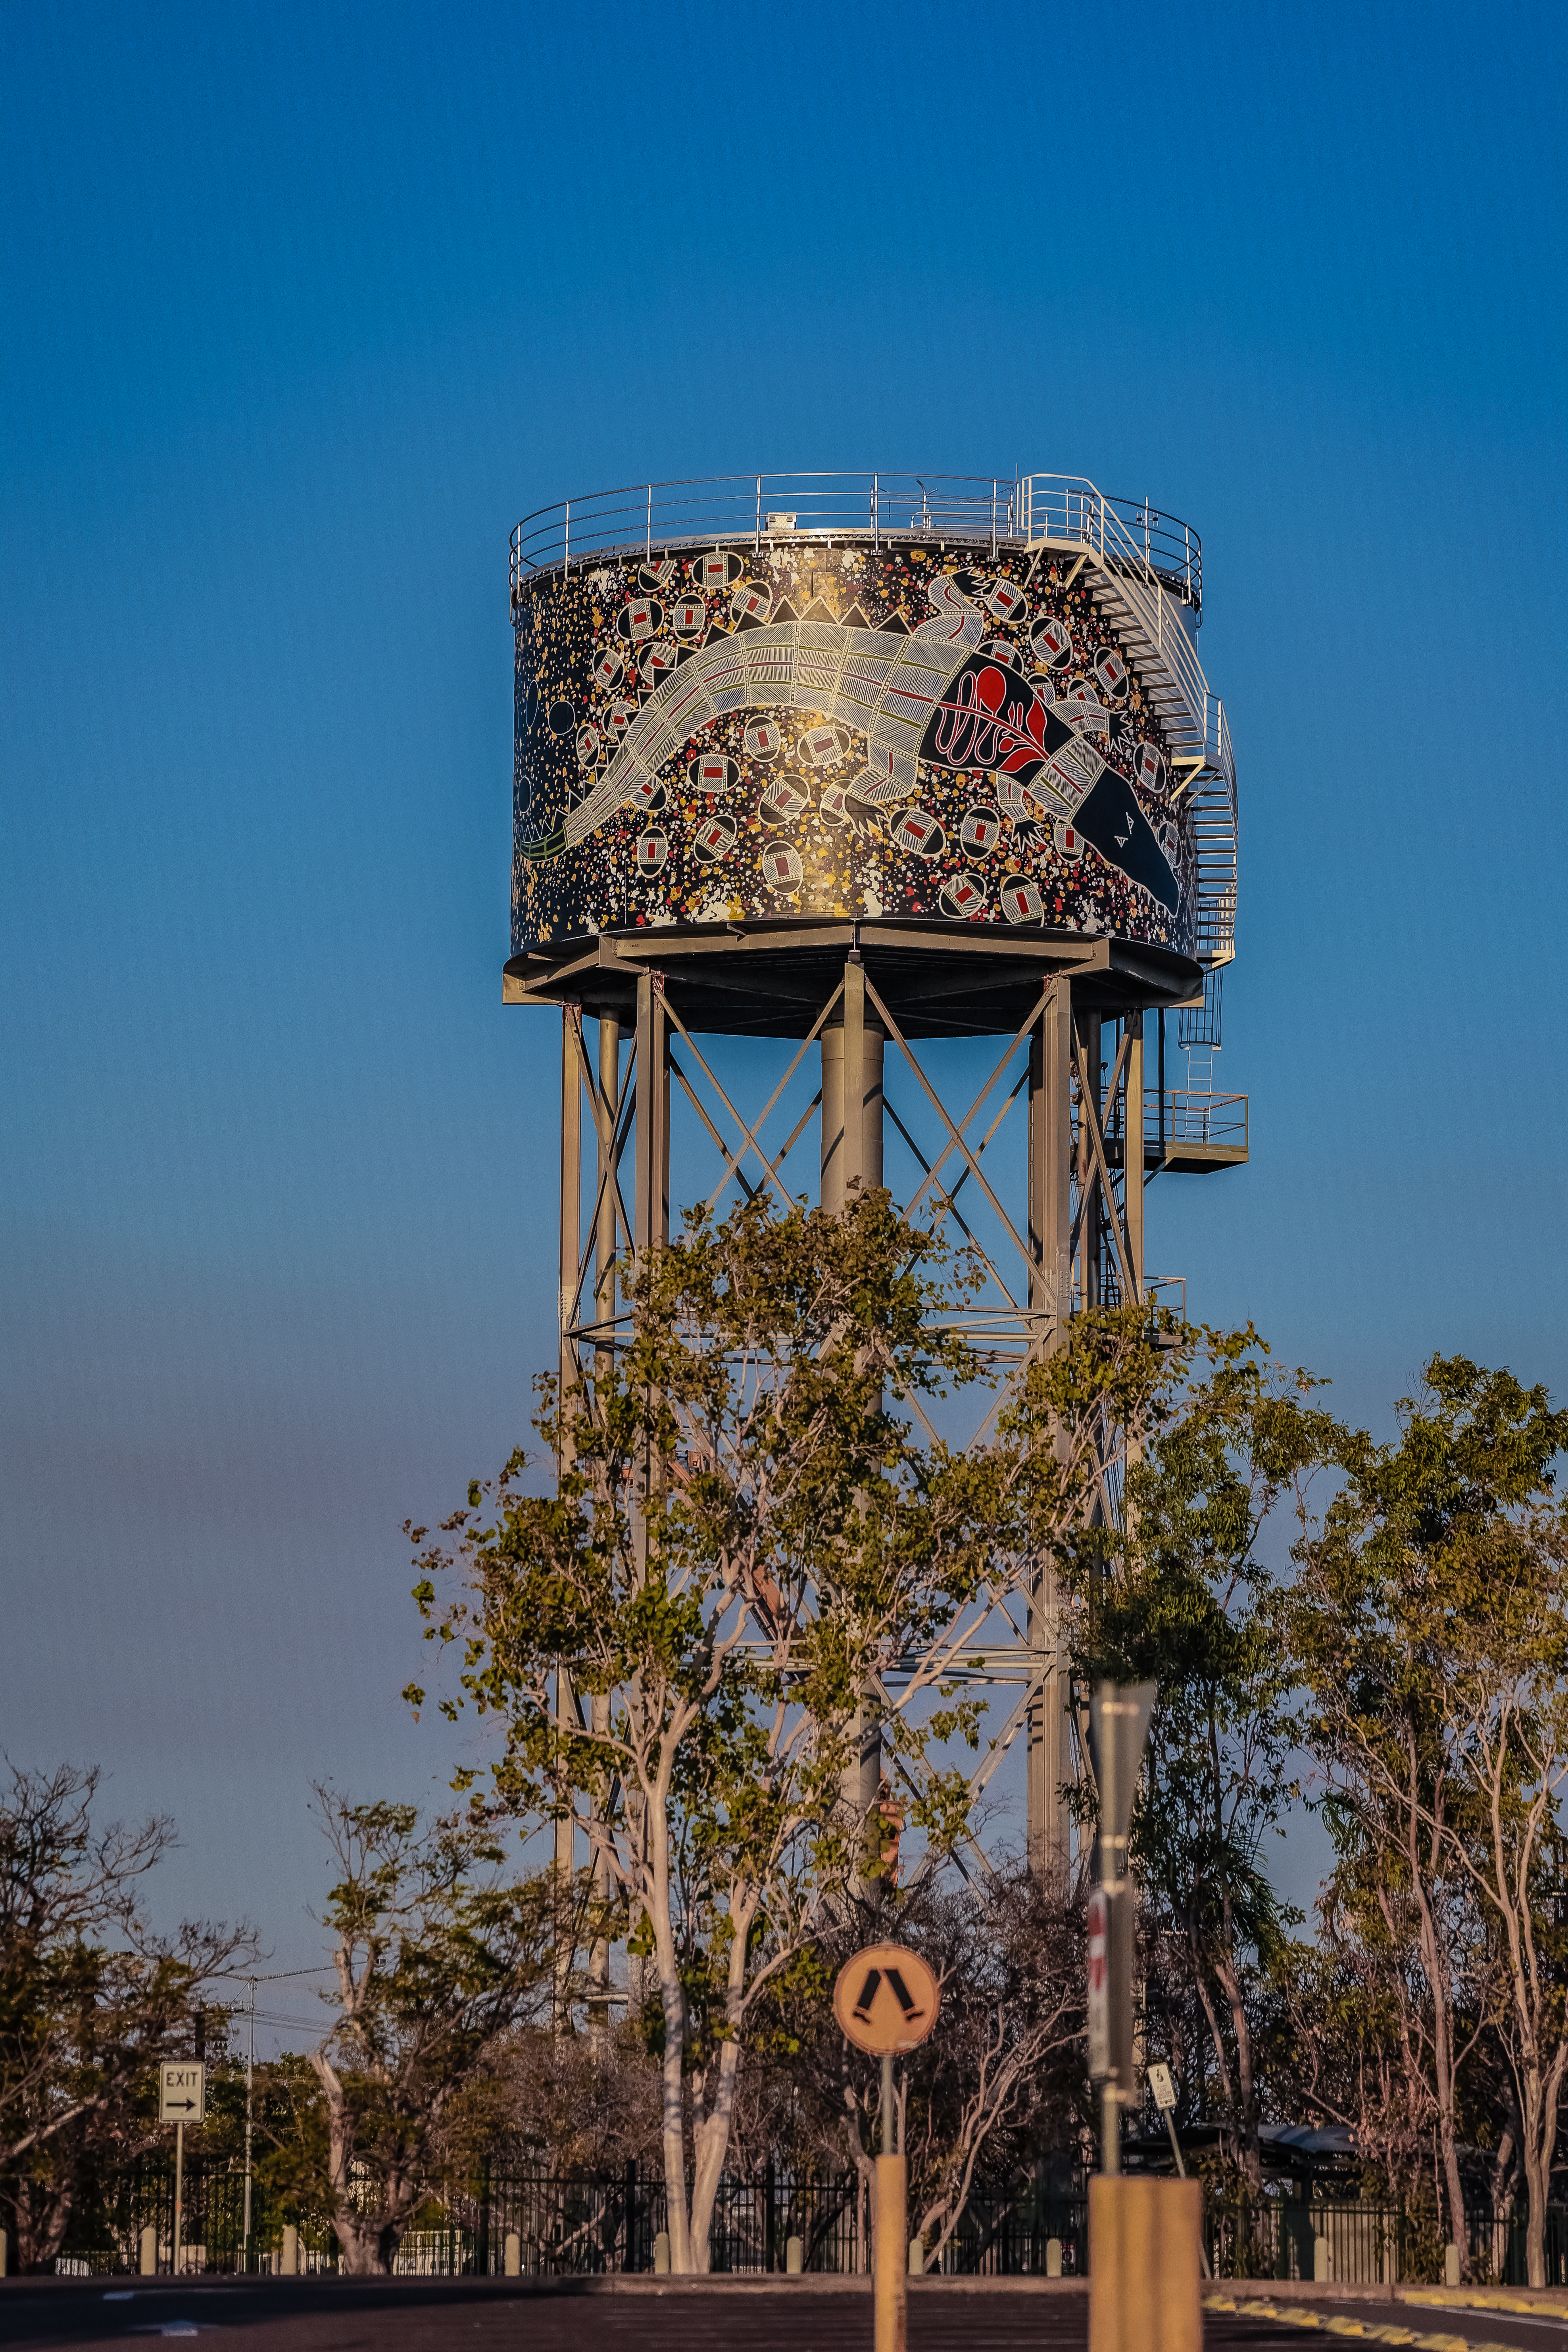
(92, 1998)
(437, 1957)
(1002, 2074)
(746, 1537)
(1179, 1596)
(1429, 1620)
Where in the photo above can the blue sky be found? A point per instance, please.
(302, 308)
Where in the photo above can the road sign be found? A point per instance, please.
(181, 2090)
(886, 1999)
(1162, 2084)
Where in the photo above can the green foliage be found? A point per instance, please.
(752, 1529)
(90, 1998)
(437, 1956)
(1430, 1621)
(1179, 1595)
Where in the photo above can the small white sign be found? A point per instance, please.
(181, 2090)
(1163, 2083)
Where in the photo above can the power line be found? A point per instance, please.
(270, 1976)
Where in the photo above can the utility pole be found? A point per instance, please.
(249, 2079)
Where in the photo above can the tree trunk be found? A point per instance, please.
(1435, 1967)
(1230, 1984)
(713, 2140)
(367, 2246)
(1540, 2100)
(673, 2000)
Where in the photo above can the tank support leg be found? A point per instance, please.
(1050, 1305)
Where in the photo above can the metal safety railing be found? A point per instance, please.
(1202, 1119)
(1188, 1116)
(979, 510)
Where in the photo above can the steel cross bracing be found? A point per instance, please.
(1032, 1175)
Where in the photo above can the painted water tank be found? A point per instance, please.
(959, 700)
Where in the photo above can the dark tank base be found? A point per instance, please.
(772, 979)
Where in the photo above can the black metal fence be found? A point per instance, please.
(564, 2222)
(560, 2222)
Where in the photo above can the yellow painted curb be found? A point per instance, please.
(1370, 2331)
(1486, 2298)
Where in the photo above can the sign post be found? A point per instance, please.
(182, 2100)
(886, 2000)
(1163, 2083)
(1144, 2236)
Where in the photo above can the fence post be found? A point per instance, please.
(1053, 2258)
(1322, 2261)
(513, 2254)
(630, 2262)
(482, 2251)
(661, 2254)
(289, 2265)
(794, 2250)
(147, 2251)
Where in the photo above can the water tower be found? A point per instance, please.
(866, 764)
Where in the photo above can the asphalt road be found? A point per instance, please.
(444, 2315)
(643, 2316)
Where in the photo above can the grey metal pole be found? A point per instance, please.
(179, 2192)
(250, 2076)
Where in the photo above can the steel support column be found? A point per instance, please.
(851, 1076)
(1132, 1149)
(571, 1242)
(1050, 1159)
(651, 1209)
(1050, 1294)
(852, 1163)
(570, 1190)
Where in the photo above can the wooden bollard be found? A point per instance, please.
(893, 2254)
(1144, 2289)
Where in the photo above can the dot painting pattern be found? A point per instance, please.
(843, 731)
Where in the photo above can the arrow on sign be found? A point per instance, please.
(900, 1991)
(187, 2104)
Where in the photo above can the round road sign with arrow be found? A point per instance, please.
(886, 1999)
